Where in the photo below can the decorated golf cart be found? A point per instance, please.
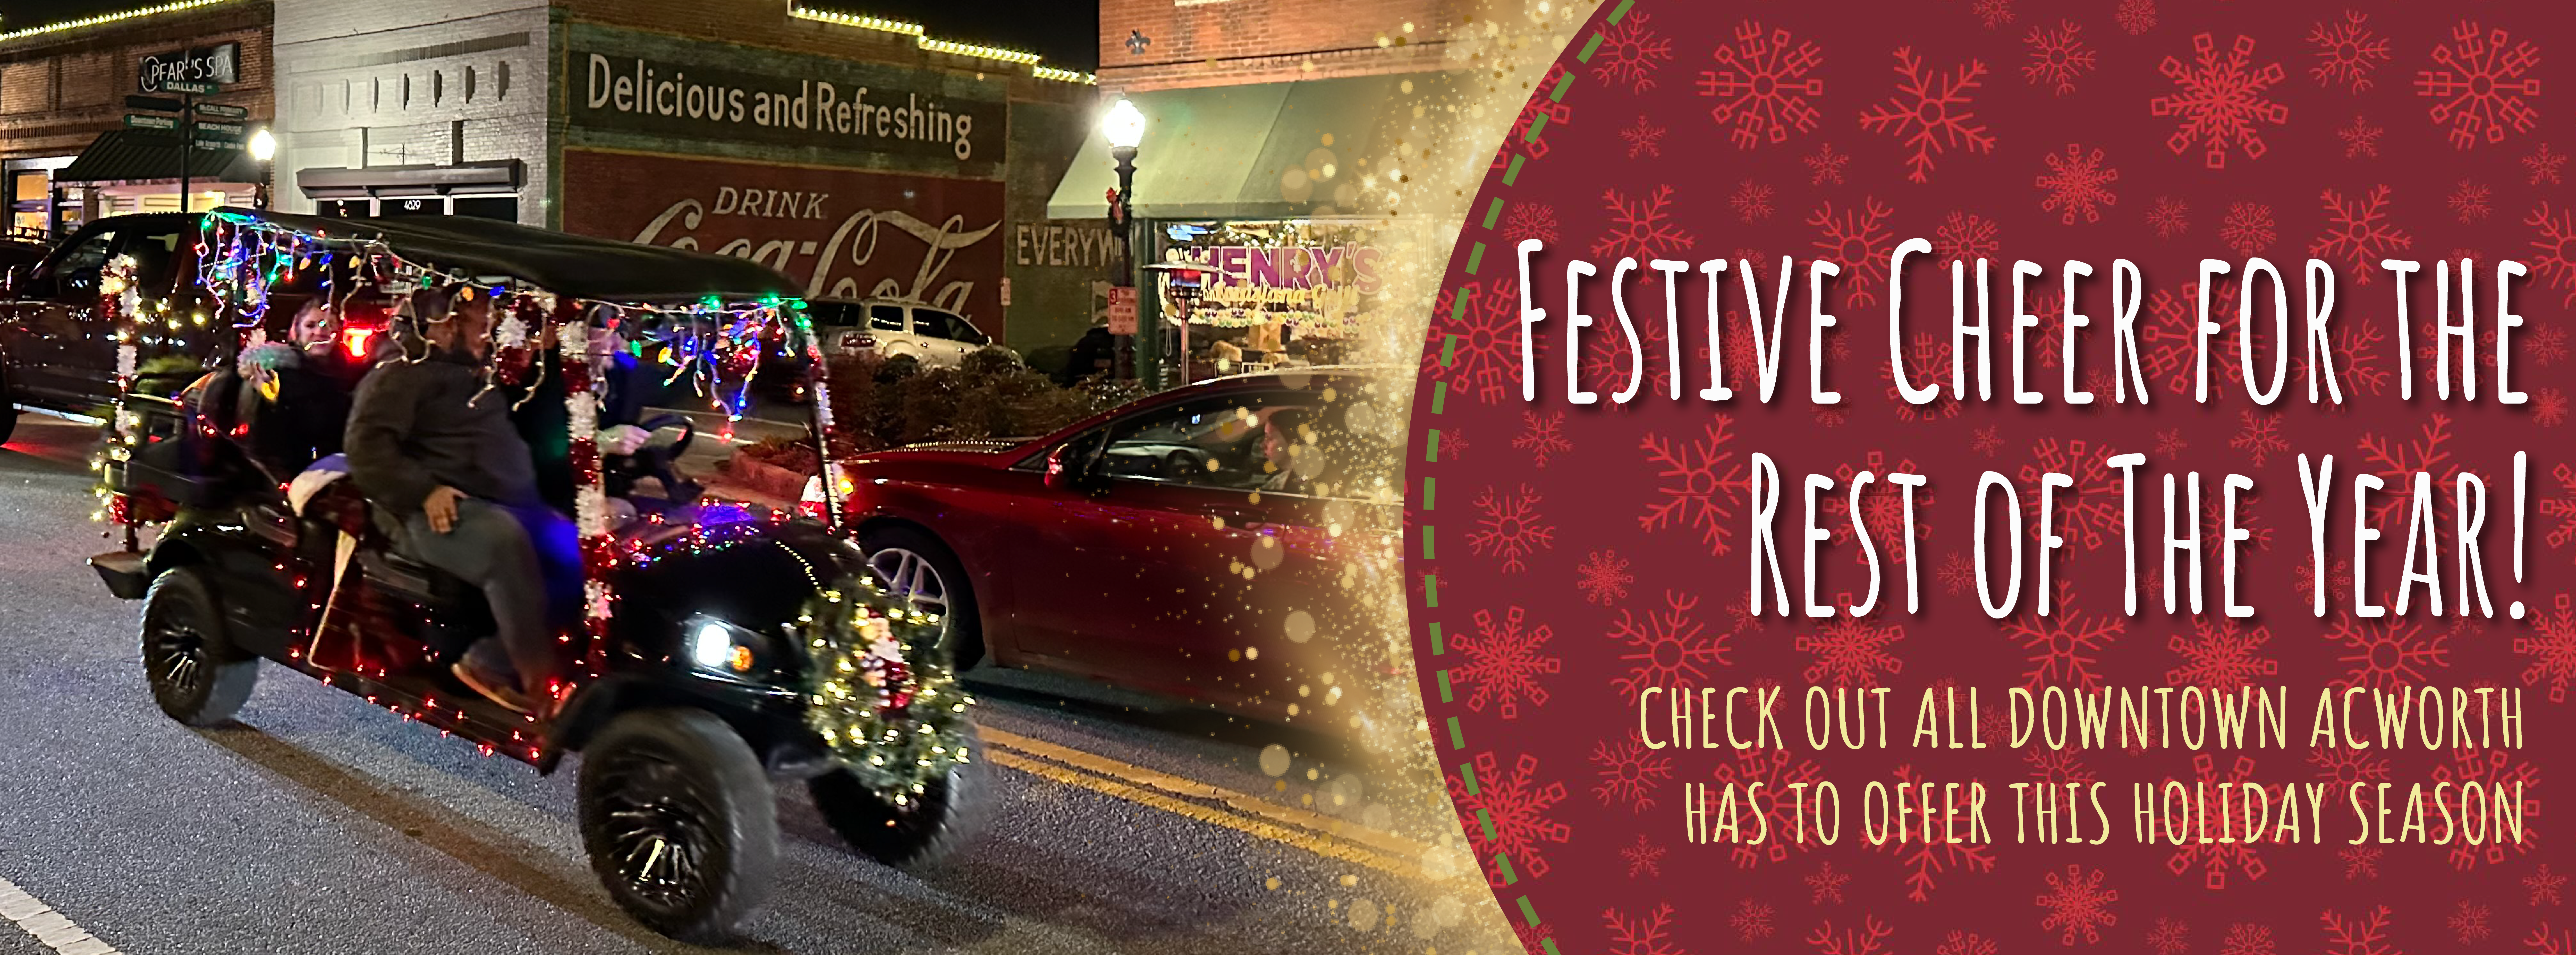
(720, 645)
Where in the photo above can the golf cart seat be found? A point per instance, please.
(454, 611)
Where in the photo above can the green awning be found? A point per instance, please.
(136, 154)
(1263, 151)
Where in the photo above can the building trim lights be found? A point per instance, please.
(950, 47)
(106, 18)
(881, 24)
(979, 52)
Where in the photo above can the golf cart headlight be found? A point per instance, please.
(719, 646)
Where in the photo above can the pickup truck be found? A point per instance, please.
(57, 353)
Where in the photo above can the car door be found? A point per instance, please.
(1145, 580)
(889, 326)
(946, 333)
(50, 312)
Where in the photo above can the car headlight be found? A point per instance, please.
(719, 647)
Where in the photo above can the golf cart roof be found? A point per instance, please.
(605, 270)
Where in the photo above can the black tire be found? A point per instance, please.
(679, 821)
(965, 623)
(8, 406)
(945, 816)
(196, 674)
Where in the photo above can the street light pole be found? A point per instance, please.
(1122, 221)
(263, 148)
(1125, 129)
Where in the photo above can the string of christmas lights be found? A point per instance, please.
(885, 696)
(882, 692)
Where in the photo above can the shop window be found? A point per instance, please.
(28, 192)
(504, 208)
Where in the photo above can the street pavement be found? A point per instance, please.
(318, 823)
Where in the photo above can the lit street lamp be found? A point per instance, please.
(263, 147)
(1125, 128)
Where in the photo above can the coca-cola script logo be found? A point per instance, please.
(843, 234)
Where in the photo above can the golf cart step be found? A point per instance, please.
(123, 572)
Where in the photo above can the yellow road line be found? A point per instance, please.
(1311, 842)
(1242, 802)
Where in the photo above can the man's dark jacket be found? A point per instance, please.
(417, 425)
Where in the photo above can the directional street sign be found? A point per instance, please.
(206, 130)
(210, 144)
(191, 86)
(133, 121)
(155, 104)
(222, 111)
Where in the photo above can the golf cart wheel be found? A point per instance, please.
(195, 674)
(925, 830)
(916, 566)
(679, 821)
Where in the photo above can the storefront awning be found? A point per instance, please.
(133, 154)
(1263, 151)
(494, 176)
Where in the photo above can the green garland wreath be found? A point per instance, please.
(883, 690)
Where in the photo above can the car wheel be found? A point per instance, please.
(196, 675)
(679, 821)
(924, 831)
(914, 565)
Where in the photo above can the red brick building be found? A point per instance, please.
(62, 95)
(1270, 149)
(853, 153)
(1170, 44)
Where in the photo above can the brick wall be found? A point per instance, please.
(765, 23)
(1226, 42)
(59, 91)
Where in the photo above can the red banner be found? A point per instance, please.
(844, 233)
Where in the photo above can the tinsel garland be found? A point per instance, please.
(884, 693)
(590, 491)
(120, 303)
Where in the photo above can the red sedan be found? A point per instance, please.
(1182, 544)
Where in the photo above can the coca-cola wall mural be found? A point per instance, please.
(843, 233)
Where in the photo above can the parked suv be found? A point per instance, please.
(889, 327)
(56, 351)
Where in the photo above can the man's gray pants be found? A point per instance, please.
(491, 549)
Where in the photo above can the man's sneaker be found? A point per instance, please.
(496, 684)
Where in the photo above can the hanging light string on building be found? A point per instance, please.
(106, 18)
(950, 47)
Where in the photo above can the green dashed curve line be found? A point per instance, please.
(1431, 455)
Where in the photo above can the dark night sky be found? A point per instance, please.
(1066, 32)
